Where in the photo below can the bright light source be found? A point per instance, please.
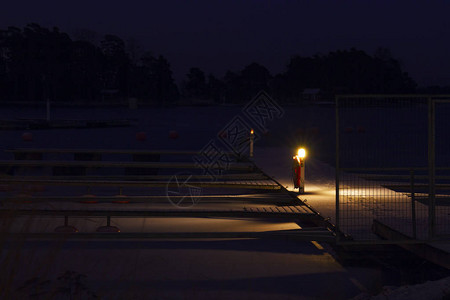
(301, 153)
(251, 131)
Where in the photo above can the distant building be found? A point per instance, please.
(311, 95)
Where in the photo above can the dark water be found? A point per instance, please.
(369, 137)
(196, 126)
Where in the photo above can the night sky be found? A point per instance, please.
(221, 35)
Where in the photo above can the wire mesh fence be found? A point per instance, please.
(389, 196)
(442, 158)
(392, 154)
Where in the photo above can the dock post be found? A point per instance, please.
(252, 141)
(108, 227)
(66, 228)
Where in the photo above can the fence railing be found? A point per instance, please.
(392, 166)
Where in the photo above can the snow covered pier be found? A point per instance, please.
(33, 190)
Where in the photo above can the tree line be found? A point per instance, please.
(38, 63)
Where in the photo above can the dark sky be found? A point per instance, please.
(220, 35)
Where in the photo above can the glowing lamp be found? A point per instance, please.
(298, 170)
(301, 153)
(252, 141)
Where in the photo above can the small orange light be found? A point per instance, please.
(251, 131)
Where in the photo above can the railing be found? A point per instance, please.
(376, 135)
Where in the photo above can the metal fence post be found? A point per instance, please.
(413, 206)
(431, 168)
(338, 229)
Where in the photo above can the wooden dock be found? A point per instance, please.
(318, 234)
(248, 184)
(290, 212)
(259, 197)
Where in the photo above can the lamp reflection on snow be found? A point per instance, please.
(354, 192)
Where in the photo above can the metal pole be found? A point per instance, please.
(301, 188)
(252, 139)
(413, 206)
(431, 168)
(48, 110)
(337, 171)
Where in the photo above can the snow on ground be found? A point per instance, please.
(193, 269)
(361, 200)
(199, 269)
(430, 290)
(174, 269)
(182, 269)
(320, 194)
(319, 177)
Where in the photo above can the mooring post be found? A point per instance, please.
(108, 228)
(252, 140)
(66, 228)
(413, 205)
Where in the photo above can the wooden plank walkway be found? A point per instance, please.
(120, 164)
(298, 212)
(418, 187)
(23, 198)
(319, 234)
(278, 204)
(261, 184)
(237, 176)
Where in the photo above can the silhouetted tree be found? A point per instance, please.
(195, 84)
(254, 78)
(38, 63)
(116, 64)
(161, 87)
(232, 91)
(134, 50)
(215, 89)
(242, 86)
(351, 71)
(86, 71)
(86, 35)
